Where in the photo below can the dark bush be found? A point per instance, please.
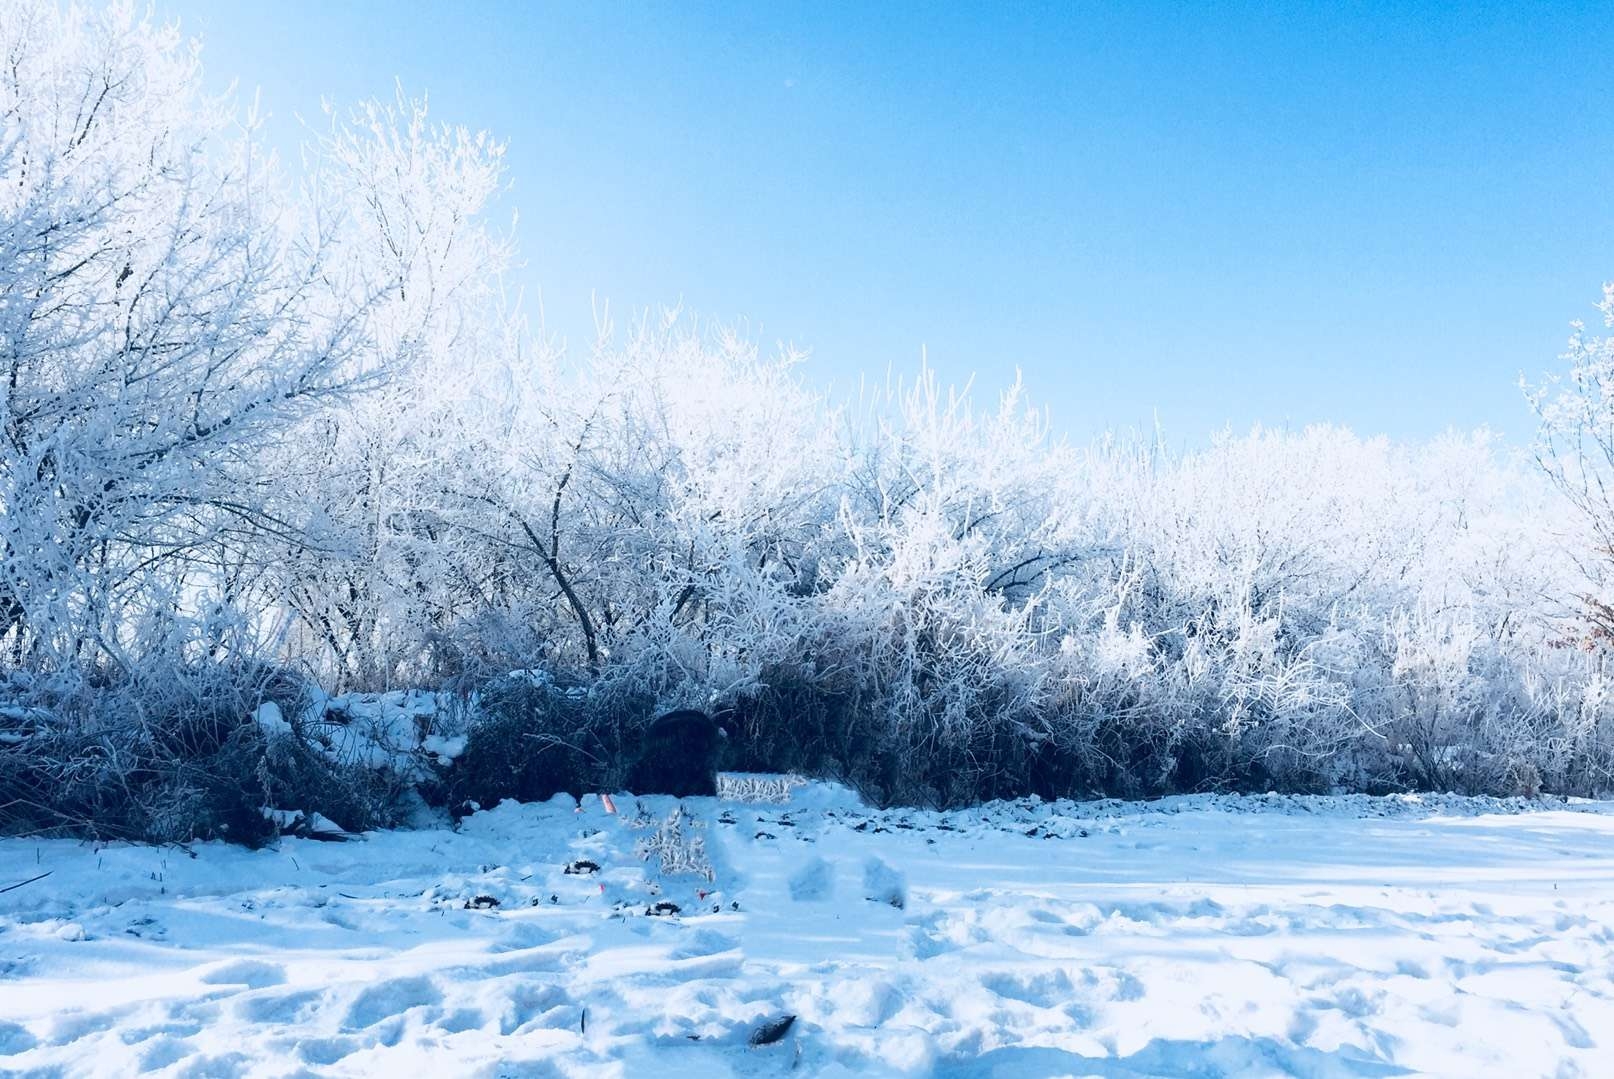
(678, 755)
(177, 756)
(530, 740)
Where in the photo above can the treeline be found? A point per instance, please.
(267, 430)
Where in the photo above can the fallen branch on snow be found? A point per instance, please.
(20, 883)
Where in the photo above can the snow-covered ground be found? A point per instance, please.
(1193, 936)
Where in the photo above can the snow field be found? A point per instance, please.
(1194, 936)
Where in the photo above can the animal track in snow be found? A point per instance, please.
(387, 999)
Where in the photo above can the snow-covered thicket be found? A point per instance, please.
(269, 429)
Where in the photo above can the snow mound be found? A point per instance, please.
(813, 882)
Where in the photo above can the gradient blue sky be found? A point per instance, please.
(1378, 215)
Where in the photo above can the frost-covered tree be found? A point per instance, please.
(166, 314)
(1575, 448)
(375, 484)
(655, 505)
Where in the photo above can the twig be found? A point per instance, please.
(30, 880)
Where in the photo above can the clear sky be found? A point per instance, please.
(1217, 214)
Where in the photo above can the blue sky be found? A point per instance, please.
(1377, 215)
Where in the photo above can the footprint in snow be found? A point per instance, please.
(75, 1025)
(15, 1038)
(537, 959)
(813, 881)
(326, 1050)
(541, 1005)
(223, 1066)
(163, 1053)
(390, 998)
(462, 1020)
(704, 942)
(280, 1008)
(178, 1030)
(924, 942)
(523, 935)
(1040, 989)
